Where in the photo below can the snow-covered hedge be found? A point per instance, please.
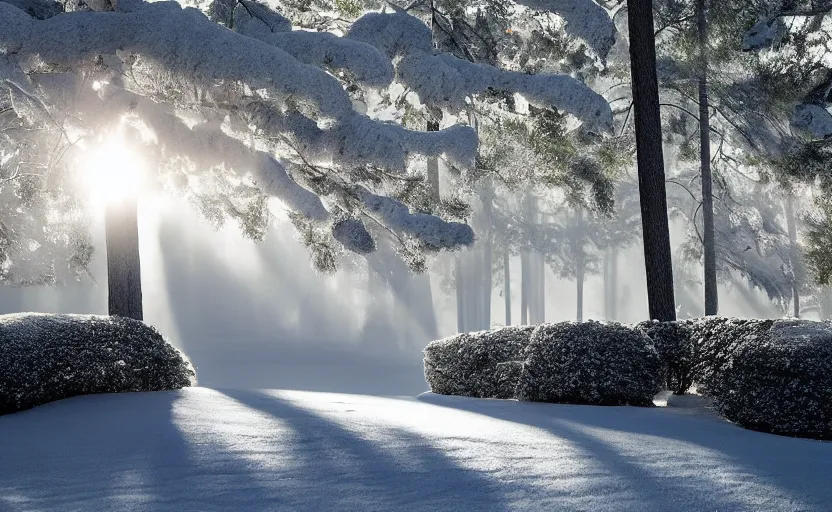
(44, 358)
(678, 352)
(483, 364)
(590, 363)
(718, 340)
(778, 380)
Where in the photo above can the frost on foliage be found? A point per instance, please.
(815, 119)
(44, 358)
(483, 364)
(585, 20)
(678, 352)
(590, 363)
(779, 380)
(352, 233)
(443, 80)
(764, 34)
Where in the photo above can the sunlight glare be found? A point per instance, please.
(112, 171)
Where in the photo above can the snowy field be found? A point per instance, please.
(204, 449)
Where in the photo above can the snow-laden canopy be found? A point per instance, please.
(270, 104)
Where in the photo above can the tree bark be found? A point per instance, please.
(460, 289)
(487, 255)
(124, 275)
(711, 294)
(791, 227)
(651, 178)
(507, 284)
(580, 270)
(524, 288)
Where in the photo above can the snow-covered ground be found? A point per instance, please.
(205, 449)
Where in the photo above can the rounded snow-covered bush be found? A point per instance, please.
(483, 364)
(44, 358)
(590, 363)
(780, 381)
(718, 340)
(677, 350)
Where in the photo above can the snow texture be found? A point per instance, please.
(718, 339)
(209, 450)
(44, 358)
(445, 81)
(431, 231)
(483, 364)
(677, 350)
(780, 381)
(815, 119)
(585, 19)
(590, 363)
(764, 34)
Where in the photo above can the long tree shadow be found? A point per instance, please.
(353, 473)
(119, 452)
(720, 461)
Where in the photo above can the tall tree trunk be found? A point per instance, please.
(524, 288)
(487, 254)
(460, 289)
(651, 179)
(580, 268)
(711, 294)
(791, 227)
(507, 283)
(612, 286)
(124, 274)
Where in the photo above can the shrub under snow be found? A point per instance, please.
(483, 364)
(590, 363)
(677, 350)
(44, 358)
(718, 340)
(779, 380)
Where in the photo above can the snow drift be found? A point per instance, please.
(44, 358)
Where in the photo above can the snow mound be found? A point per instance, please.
(44, 358)
(590, 363)
(780, 381)
(484, 364)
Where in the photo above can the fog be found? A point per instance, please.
(256, 315)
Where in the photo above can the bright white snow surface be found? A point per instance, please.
(202, 449)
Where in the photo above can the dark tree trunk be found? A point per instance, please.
(507, 283)
(711, 294)
(791, 227)
(580, 272)
(124, 274)
(651, 179)
(580, 282)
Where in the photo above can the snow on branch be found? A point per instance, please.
(433, 232)
(584, 19)
(446, 81)
(176, 39)
(320, 49)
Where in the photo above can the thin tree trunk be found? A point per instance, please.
(580, 282)
(460, 288)
(791, 227)
(612, 312)
(124, 274)
(487, 255)
(711, 294)
(651, 178)
(507, 283)
(524, 288)
(541, 289)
